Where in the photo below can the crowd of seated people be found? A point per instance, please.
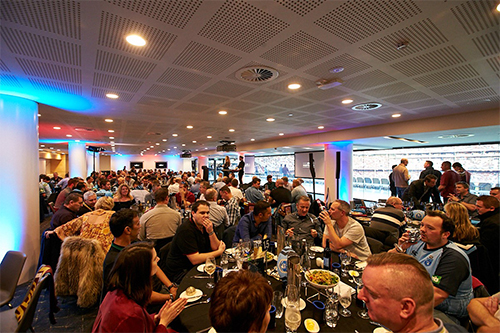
(191, 217)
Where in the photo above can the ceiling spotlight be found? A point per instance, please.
(223, 112)
(111, 137)
(168, 149)
(112, 96)
(396, 115)
(164, 140)
(282, 134)
(270, 119)
(151, 146)
(39, 115)
(252, 139)
(136, 40)
(231, 130)
(321, 127)
(148, 148)
(175, 147)
(111, 142)
(290, 115)
(498, 7)
(294, 86)
(157, 144)
(209, 136)
(108, 120)
(347, 101)
(69, 135)
(189, 126)
(401, 45)
(111, 131)
(175, 134)
(42, 145)
(57, 127)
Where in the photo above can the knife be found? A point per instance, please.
(200, 277)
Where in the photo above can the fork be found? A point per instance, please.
(202, 302)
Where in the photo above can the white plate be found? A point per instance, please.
(317, 249)
(230, 251)
(197, 295)
(212, 330)
(302, 303)
(315, 328)
(381, 330)
(361, 264)
(201, 268)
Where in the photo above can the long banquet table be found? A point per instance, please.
(195, 319)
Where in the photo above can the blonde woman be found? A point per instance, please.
(465, 232)
(123, 198)
(94, 225)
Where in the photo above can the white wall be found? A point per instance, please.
(174, 162)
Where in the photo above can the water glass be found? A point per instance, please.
(292, 317)
(277, 302)
(331, 314)
(311, 254)
(224, 260)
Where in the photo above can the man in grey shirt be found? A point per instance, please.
(218, 214)
(303, 224)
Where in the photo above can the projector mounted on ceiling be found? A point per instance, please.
(226, 146)
(324, 84)
(186, 154)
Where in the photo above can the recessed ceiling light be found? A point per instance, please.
(290, 115)
(252, 139)
(51, 147)
(498, 7)
(164, 140)
(194, 141)
(151, 146)
(231, 130)
(69, 135)
(175, 134)
(111, 137)
(108, 120)
(59, 150)
(111, 131)
(148, 148)
(270, 119)
(294, 86)
(209, 136)
(321, 127)
(57, 127)
(223, 112)
(40, 149)
(163, 151)
(189, 126)
(77, 140)
(39, 115)
(168, 149)
(184, 145)
(136, 40)
(42, 145)
(282, 134)
(396, 115)
(347, 101)
(157, 144)
(286, 147)
(175, 147)
(113, 96)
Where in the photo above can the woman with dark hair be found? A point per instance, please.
(226, 166)
(124, 307)
(240, 303)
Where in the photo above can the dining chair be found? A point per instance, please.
(10, 270)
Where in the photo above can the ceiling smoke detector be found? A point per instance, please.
(257, 74)
(366, 106)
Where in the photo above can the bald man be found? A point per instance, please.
(390, 218)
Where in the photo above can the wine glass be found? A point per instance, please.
(345, 259)
(345, 301)
(361, 313)
(210, 269)
(292, 312)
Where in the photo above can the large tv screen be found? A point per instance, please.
(137, 165)
(160, 165)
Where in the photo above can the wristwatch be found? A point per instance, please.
(173, 285)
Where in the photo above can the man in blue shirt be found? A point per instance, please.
(253, 193)
(256, 224)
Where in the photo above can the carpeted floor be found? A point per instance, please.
(70, 318)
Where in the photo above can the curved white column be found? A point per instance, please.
(77, 159)
(19, 194)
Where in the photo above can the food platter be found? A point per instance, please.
(316, 276)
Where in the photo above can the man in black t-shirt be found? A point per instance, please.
(280, 194)
(241, 169)
(193, 243)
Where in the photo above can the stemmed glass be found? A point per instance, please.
(361, 313)
(292, 312)
(345, 259)
(210, 269)
(345, 301)
(245, 247)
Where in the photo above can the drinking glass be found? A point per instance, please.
(361, 313)
(292, 294)
(345, 301)
(210, 269)
(292, 318)
(345, 259)
(311, 254)
(245, 247)
(277, 302)
(224, 260)
(331, 313)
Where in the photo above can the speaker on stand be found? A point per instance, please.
(313, 173)
(337, 173)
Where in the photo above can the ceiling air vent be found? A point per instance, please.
(366, 106)
(257, 74)
(82, 129)
(455, 136)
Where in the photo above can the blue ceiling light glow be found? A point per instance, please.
(51, 97)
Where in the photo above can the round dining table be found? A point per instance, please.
(195, 318)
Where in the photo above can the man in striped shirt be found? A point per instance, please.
(217, 215)
(389, 218)
(232, 206)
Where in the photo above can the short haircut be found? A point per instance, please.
(131, 272)
(161, 194)
(88, 194)
(198, 203)
(121, 219)
(72, 197)
(106, 203)
(211, 194)
(408, 277)
(205, 184)
(279, 182)
(234, 182)
(269, 176)
(303, 198)
(489, 201)
(447, 163)
(255, 181)
(226, 180)
(429, 162)
(404, 160)
(392, 201)
(464, 184)
(73, 181)
(240, 302)
(103, 182)
(448, 224)
(428, 178)
(295, 183)
(343, 206)
(285, 179)
(457, 165)
(225, 189)
(260, 207)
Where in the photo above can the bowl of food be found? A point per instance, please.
(322, 278)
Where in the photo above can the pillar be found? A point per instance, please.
(338, 162)
(77, 155)
(19, 194)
